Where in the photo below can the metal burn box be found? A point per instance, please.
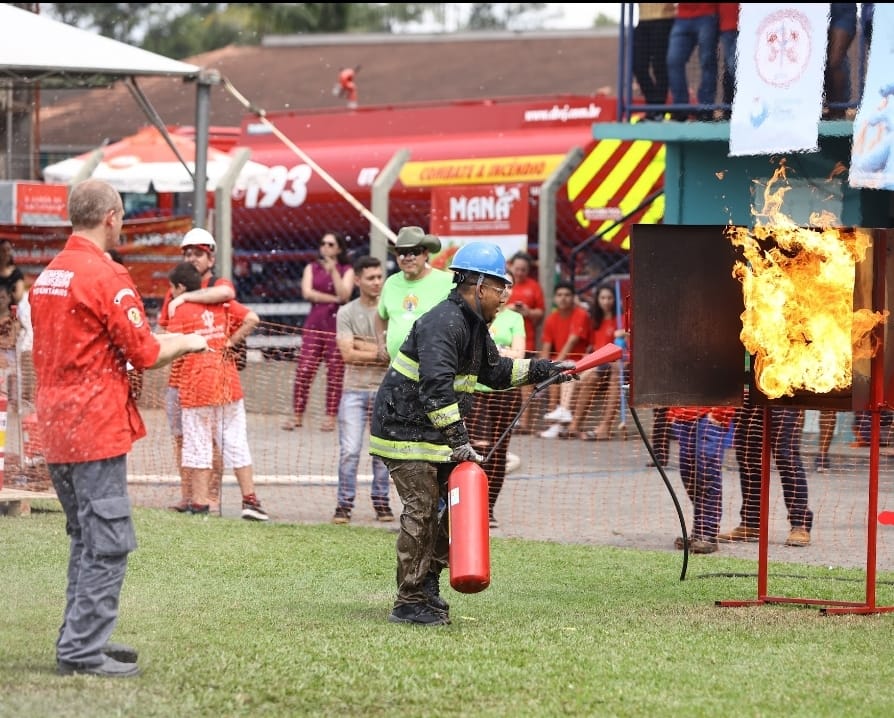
(685, 322)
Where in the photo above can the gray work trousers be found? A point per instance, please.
(98, 522)
(423, 542)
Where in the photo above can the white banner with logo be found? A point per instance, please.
(872, 155)
(489, 213)
(781, 58)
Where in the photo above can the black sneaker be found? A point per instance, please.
(383, 513)
(109, 668)
(251, 509)
(341, 515)
(420, 614)
(432, 588)
(121, 652)
(198, 509)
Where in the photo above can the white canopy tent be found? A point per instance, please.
(36, 48)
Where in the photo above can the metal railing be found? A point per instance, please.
(627, 106)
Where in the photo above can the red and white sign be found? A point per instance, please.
(489, 213)
(39, 203)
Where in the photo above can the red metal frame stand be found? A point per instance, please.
(876, 403)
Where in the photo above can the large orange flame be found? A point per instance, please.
(797, 283)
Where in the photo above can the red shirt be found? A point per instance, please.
(164, 320)
(728, 14)
(721, 414)
(689, 10)
(530, 294)
(163, 313)
(604, 333)
(88, 321)
(558, 327)
(208, 378)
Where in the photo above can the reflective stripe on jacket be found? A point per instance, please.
(428, 387)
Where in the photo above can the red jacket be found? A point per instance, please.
(88, 321)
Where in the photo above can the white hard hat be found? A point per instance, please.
(198, 237)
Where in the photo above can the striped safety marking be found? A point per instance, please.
(615, 177)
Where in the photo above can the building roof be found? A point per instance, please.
(301, 72)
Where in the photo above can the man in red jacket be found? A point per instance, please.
(89, 323)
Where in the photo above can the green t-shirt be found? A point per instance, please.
(507, 325)
(402, 302)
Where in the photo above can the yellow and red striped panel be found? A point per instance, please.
(615, 177)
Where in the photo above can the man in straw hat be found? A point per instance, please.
(409, 293)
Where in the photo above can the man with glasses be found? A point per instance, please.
(409, 293)
(418, 426)
(89, 322)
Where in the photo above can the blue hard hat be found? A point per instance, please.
(482, 257)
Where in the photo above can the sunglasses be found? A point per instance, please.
(411, 252)
(328, 244)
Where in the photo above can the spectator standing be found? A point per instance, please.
(327, 283)
(650, 40)
(11, 276)
(695, 25)
(661, 436)
(493, 412)
(211, 393)
(566, 336)
(527, 299)
(88, 321)
(418, 423)
(9, 333)
(199, 248)
(827, 420)
(728, 26)
(25, 346)
(785, 437)
(355, 333)
(842, 30)
(701, 432)
(409, 293)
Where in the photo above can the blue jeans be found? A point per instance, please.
(728, 51)
(353, 417)
(786, 425)
(701, 470)
(685, 35)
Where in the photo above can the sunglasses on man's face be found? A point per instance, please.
(411, 252)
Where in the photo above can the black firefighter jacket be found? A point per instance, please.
(427, 390)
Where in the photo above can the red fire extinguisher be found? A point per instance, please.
(469, 555)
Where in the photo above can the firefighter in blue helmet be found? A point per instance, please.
(417, 424)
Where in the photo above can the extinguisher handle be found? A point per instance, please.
(562, 376)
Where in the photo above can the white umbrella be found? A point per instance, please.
(145, 159)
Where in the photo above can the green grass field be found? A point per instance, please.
(242, 619)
